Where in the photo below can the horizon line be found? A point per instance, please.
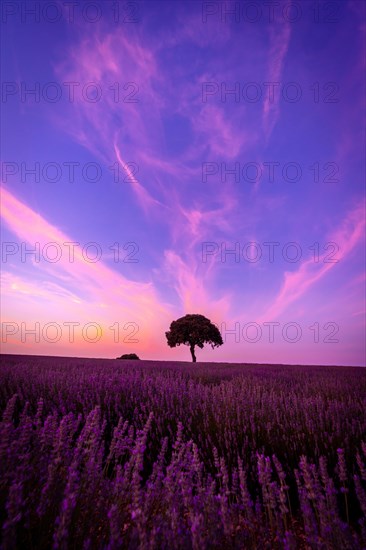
(177, 361)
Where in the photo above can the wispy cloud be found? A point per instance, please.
(350, 233)
(223, 138)
(279, 39)
(193, 289)
(95, 282)
(145, 199)
(169, 131)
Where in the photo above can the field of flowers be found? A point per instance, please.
(154, 455)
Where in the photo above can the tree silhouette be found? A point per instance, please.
(193, 330)
(129, 356)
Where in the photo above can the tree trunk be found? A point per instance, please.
(192, 353)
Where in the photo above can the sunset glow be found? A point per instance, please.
(182, 157)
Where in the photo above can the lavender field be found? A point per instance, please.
(156, 455)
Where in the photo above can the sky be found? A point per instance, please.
(163, 158)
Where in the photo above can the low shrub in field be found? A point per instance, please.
(99, 454)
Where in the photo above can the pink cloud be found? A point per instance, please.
(100, 292)
(133, 61)
(193, 289)
(102, 295)
(220, 134)
(12, 284)
(279, 37)
(347, 237)
(125, 71)
(144, 197)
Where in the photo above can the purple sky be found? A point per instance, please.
(188, 132)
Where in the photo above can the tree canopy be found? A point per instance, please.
(193, 330)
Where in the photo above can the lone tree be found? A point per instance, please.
(193, 330)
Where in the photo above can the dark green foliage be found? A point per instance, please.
(129, 356)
